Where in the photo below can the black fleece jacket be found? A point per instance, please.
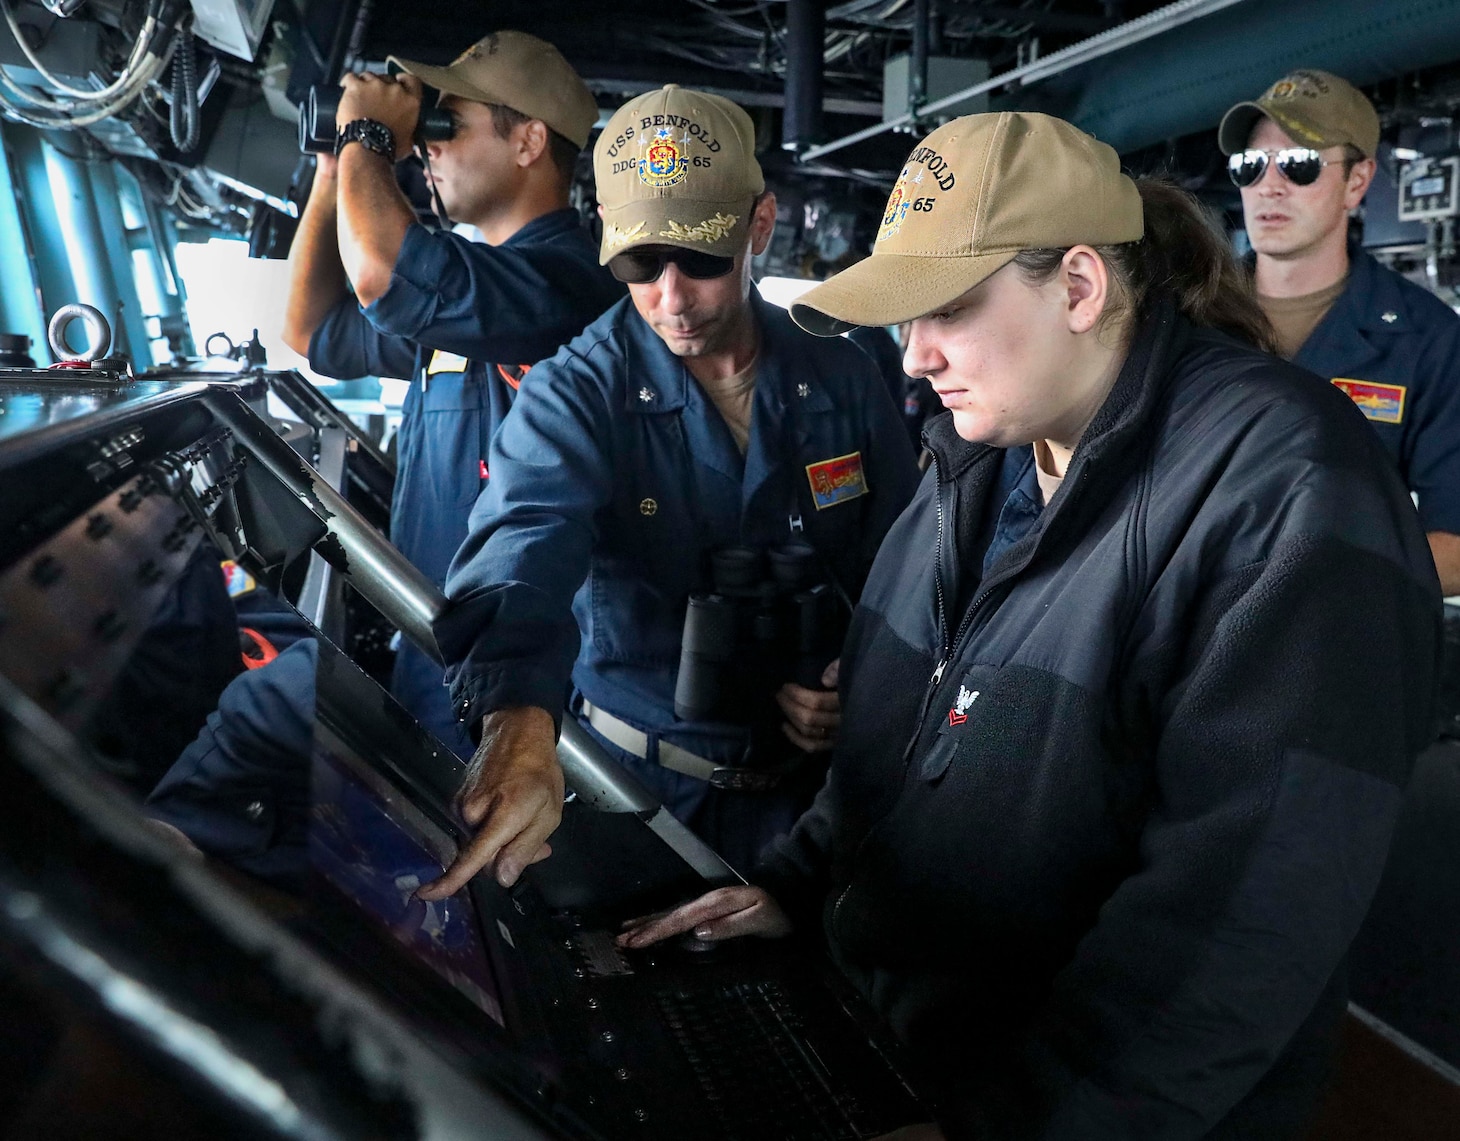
(1101, 871)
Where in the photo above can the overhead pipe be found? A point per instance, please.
(805, 51)
(1116, 39)
(917, 71)
(1181, 84)
(346, 22)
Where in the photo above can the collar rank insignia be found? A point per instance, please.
(959, 713)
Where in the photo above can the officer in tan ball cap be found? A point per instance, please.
(689, 419)
(1303, 156)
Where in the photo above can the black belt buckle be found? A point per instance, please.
(745, 779)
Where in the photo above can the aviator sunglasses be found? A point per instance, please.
(640, 267)
(1299, 165)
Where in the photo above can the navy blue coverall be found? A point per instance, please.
(464, 322)
(1394, 348)
(240, 789)
(612, 480)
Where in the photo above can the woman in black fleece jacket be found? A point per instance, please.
(1136, 682)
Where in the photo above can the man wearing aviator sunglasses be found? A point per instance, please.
(690, 420)
(1299, 165)
(1303, 157)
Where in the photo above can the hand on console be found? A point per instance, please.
(512, 795)
(725, 913)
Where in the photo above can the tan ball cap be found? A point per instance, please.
(519, 71)
(676, 167)
(1314, 108)
(973, 194)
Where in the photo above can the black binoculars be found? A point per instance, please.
(317, 122)
(772, 618)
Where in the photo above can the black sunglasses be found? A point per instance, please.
(1299, 165)
(640, 267)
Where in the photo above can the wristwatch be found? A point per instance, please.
(371, 134)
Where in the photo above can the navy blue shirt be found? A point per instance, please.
(464, 322)
(1395, 349)
(612, 480)
(240, 791)
(1017, 488)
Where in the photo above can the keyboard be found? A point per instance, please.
(758, 1066)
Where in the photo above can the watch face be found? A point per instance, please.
(370, 134)
(377, 137)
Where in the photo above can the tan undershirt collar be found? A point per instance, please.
(1295, 318)
(1048, 482)
(734, 396)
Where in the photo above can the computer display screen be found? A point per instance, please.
(377, 857)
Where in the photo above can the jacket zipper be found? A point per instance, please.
(950, 647)
(946, 653)
(938, 577)
(836, 908)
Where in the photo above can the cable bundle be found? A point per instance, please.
(183, 121)
(80, 107)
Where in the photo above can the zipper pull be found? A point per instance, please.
(938, 673)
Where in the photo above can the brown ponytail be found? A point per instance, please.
(1182, 254)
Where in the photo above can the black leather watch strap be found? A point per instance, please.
(371, 134)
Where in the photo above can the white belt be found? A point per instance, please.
(636, 741)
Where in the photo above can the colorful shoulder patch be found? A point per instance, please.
(835, 481)
(1381, 402)
(238, 581)
(445, 362)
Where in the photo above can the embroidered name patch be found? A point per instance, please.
(1382, 402)
(445, 362)
(238, 581)
(837, 480)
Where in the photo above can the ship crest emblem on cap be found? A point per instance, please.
(1303, 83)
(663, 164)
(896, 210)
(487, 45)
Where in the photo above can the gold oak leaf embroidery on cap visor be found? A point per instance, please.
(710, 230)
(614, 236)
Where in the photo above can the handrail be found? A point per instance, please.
(411, 601)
